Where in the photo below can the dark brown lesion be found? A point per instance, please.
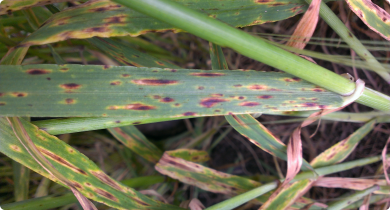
(62, 161)
(210, 102)
(105, 194)
(139, 107)
(249, 103)
(70, 86)
(37, 71)
(19, 94)
(207, 74)
(154, 82)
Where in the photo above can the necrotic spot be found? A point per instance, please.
(106, 194)
(140, 107)
(248, 103)
(167, 100)
(69, 101)
(207, 74)
(70, 86)
(264, 96)
(38, 71)
(189, 113)
(210, 102)
(154, 82)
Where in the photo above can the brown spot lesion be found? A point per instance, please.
(70, 101)
(115, 19)
(99, 29)
(70, 86)
(125, 75)
(135, 106)
(106, 180)
(189, 113)
(207, 74)
(154, 82)
(105, 194)
(249, 103)
(38, 71)
(167, 100)
(263, 1)
(265, 97)
(258, 87)
(108, 7)
(2, 103)
(15, 148)
(2, 94)
(160, 63)
(116, 82)
(61, 161)
(210, 102)
(19, 94)
(318, 90)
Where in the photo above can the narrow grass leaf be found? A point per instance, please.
(193, 155)
(132, 138)
(351, 199)
(104, 91)
(21, 179)
(9, 6)
(348, 183)
(203, 177)
(106, 18)
(376, 18)
(37, 154)
(385, 161)
(127, 55)
(14, 56)
(342, 149)
(306, 26)
(42, 203)
(81, 171)
(287, 194)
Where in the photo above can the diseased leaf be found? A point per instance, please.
(376, 18)
(192, 155)
(132, 138)
(348, 183)
(203, 177)
(83, 173)
(127, 55)
(87, 91)
(106, 18)
(340, 204)
(306, 26)
(14, 56)
(286, 195)
(37, 155)
(9, 6)
(341, 150)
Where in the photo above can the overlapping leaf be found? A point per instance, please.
(9, 6)
(83, 173)
(192, 155)
(127, 55)
(132, 138)
(76, 90)
(105, 18)
(341, 150)
(372, 15)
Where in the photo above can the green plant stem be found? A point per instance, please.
(252, 194)
(254, 47)
(335, 23)
(47, 202)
